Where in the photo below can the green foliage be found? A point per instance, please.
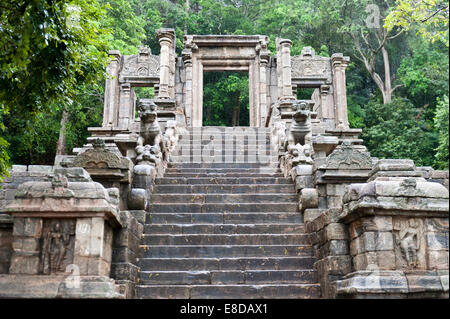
(428, 17)
(395, 130)
(222, 92)
(441, 123)
(48, 49)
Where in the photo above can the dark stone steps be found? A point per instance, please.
(222, 180)
(187, 170)
(202, 251)
(220, 207)
(224, 189)
(242, 174)
(224, 277)
(223, 218)
(281, 291)
(223, 199)
(225, 239)
(240, 263)
(223, 229)
(222, 165)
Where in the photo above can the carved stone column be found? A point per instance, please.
(284, 65)
(264, 57)
(339, 64)
(126, 100)
(165, 38)
(111, 89)
(187, 59)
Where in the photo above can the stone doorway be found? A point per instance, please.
(205, 53)
(226, 99)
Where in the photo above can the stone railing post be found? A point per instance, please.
(166, 40)
(111, 89)
(339, 64)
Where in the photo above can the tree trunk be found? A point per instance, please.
(387, 95)
(61, 145)
(236, 110)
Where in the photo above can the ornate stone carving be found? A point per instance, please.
(98, 157)
(58, 242)
(409, 243)
(308, 66)
(301, 126)
(147, 155)
(144, 64)
(347, 156)
(150, 132)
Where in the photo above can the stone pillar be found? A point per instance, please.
(187, 59)
(166, 81)
(111, 89)
(339, 64)
(264, 57)
(125, 105)
(284, 65)
(327, 105)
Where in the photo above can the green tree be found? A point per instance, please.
(441, 123)
(428, 17)
(48, 48)
(395, 130)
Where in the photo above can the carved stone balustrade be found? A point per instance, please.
(62, 237)
(398, 232)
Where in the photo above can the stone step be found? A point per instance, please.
(223, 180)
(226, 277)
(281, 291)
(231, 199)
(214, 251)
(179, 229)
(193, 175)
(223, 189)
(223, 165)
(219, 263)
(233, 140)
(203, 170)
(223, 218)
(226, 239)
(221, 207)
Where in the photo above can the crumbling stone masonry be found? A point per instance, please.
(157, 206)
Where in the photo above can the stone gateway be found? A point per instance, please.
(156, 205)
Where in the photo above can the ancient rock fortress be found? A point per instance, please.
(157, 206)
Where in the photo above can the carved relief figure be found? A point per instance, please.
(408, 240)
(57, 246)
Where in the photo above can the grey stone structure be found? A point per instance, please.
(157, 206)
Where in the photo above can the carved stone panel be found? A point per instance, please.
(57, 249)
(347, 156)
(98, 157)
(309, 66)
(409, 243)
(141, 65)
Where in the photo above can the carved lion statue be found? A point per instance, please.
(150, 132)
(301, 125)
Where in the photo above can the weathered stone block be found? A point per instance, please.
(336, 231)
(334, 201)
(438, 259)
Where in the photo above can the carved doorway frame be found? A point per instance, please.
(205, 53)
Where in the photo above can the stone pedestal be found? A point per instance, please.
(63, 229)
(398, 227)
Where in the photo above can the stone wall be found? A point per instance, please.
(124, 267)
(18, 174)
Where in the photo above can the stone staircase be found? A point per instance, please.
(225, 229)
